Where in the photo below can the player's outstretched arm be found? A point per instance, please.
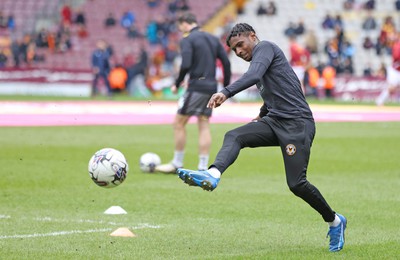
(216, 100)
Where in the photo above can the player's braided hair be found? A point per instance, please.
(238, 29)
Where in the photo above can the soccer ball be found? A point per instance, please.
(108, 168)
(149, 161)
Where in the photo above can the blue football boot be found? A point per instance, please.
(202, 179)
(336, 234)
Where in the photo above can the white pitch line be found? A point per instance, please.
(59, 233)
(71, 232)
(49, 219)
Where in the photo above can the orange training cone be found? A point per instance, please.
(122, 232)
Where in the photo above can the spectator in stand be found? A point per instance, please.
(138, 69)
(117, 78)
(386, 36)
(300, 28)
(328, 22)
(127, 19)
(290, 31)
(382, 72)
(16, 51)
(348, 4)
(261, 9)
(338, 23)
(163, 30)
(80, 18)
(369, 23)
(369, 5)
(348, 50)
(346, 66)
(294, 30)
(66, 14)
(171, 52)
(172, 8)
(110, 21)
(63, 38)
(128, 58)
(153, 3)
(30, 56)
(81, 31)
(368, 44)
(11, 23)
(3, 58)
(133, 32)
(151, 32)
(311, 80)
(100, 66)
(368, 72)
(41, 38)
(311, 42)
(239, 4)
(51, 42)
(3, 21)
(271, 8)
(328, 76)
(397, 5)
(299, 58)
(182, 5)
(339, 37)
(332, 50)
(23, 47)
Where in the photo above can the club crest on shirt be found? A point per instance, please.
(290, 149)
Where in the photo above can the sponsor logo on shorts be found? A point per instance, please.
(290, 149)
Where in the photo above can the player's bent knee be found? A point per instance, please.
(233, 136)
(298, 188)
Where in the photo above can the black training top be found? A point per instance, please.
(199, 52)
(275, 79)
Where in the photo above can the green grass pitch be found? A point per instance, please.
(50, 209)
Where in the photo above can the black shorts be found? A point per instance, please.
(194, 104)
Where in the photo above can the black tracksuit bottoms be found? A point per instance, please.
(295, 137)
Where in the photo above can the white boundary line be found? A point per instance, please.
(59, 233)
(72, 232)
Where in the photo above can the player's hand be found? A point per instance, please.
(256, 119)
(174, 89)
(216, 100)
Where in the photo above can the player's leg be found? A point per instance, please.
(392, 79)
(295, 145)
(180, 139)
(254, 134)
(179, 126)
(296, 138)
(203, 123)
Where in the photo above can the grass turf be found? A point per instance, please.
(50, 209)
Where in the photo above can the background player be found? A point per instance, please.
(285, 120)
(200, 51)
(393, 74)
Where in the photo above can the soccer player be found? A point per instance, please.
(393, 74)
(285, 120)
(200, 51)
